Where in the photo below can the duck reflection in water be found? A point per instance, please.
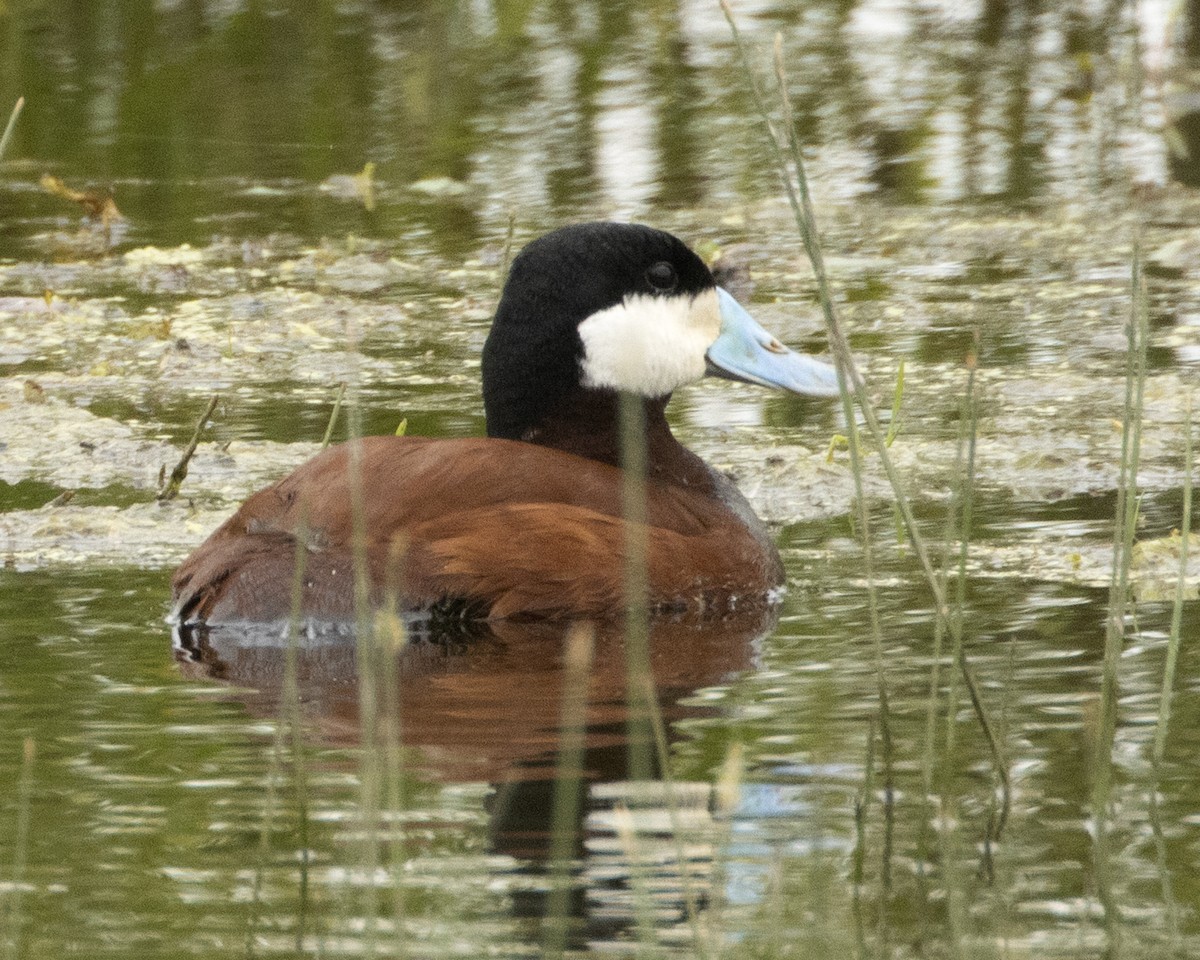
(486, 705)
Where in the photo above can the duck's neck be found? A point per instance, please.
(590, 426)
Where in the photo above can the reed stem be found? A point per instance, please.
(690, 900)
(14, 920)
(333, 416)
(1173, 641)
(368, 660)
(849, 378)
(1164, 704)
(289, 720)
(806, 220)
(638, 881)
(291, 711)
(862, 803)
(1125, 527)
(11, 125)
(637, 627)
(170, 489)
(955, 525)
(568, 785)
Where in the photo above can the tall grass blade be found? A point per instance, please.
(288, 724)
(727, 795)
(645, 730)
(14, 921)
(1125, 528)
(897, 399)
(998, 815)
(806, 221)
(690, 900)
(391, 636)
(956, 523)
(568, 785)
(337, 408)
(1173, 642)
(846, 375)
(291, 711)
(639, 881)
(858, 870)
(367, 658)
(11, 125)
(1164, 704)
(849, 377)
(637, 627)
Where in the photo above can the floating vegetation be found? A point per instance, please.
(265, 320)
(96, 204)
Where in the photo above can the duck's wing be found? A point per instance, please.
(562, 560)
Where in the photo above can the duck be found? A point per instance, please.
(529, 521)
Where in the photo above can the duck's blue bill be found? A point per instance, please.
(745, 351)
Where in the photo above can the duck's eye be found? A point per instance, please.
(662, 277)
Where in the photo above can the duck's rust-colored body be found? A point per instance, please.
(512, 528)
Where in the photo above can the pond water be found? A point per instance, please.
(985, 176)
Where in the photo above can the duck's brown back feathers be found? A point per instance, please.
(503, 527)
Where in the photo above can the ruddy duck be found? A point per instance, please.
(528, 521)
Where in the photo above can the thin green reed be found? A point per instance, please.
(367, 659)
(337, 408)
(957, 525)
(379, 635)
(289, 721)
(12, 122)
(1168, 686)
(998, 813)
(848, 381)
(646, 732)
(1173, 643)
(1125, 527)
(958, 615)
(639, 882)
(690, 900)
(859, 857)
(806, 221)
(849, 378)
(632, 415)
(288, 728)
(391, 635)
(13, 922)
(266, 828)
(726, 796)
(292, 713)
(577, 663)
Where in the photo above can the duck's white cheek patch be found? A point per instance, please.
(650, 345)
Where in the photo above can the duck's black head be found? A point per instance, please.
(602, 308)
(579, 302)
